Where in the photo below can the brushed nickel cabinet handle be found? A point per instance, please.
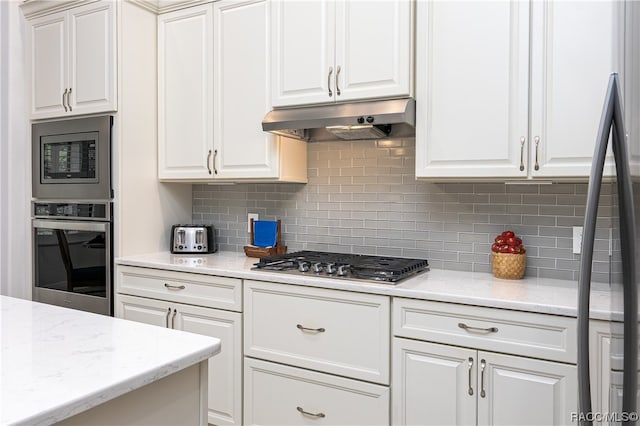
(478, 329)
(167, 319)
(209, 161)
(329, 81)
(470, 368)
(483, 365)
(338, 80)
(173, 318)
(64, 100)
(536, 140)
(310, 330)
(174, 287)
(68, 100)
(306, 413)
(522, 141)
(215, 155)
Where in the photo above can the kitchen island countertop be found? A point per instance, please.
(57, 362)
(541, 295)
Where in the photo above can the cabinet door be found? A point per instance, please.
(433, 384)
(185, 93)
(92, 58)
(48, 65)
(225, 369)
(148, 311)
(575, 47)
(373, 49)
(515, 390)
(472, 89)
(303, 52)
(242, 97)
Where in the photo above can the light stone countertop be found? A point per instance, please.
(539, 295)
(57, 362)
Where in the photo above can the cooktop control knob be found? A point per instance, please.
(331, 268)
(318, 267)
(343, 270)
(303, 266)
(370, 119)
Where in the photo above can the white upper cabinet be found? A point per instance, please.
(213, 92)
(512, 89)
(472, 88)
(73, 61)
(574, 50)
(330, 51)
(185, 93)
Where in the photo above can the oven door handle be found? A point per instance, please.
(71, 225)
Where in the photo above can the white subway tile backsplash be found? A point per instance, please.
(362, 197)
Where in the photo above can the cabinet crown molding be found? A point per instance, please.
(36, 8)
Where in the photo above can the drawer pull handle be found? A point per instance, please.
(483, 365)
(470, 368)
(478, 329)
(306, 413)
(310, 330)
(174, 287)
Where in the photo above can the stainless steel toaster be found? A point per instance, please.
(193, 239)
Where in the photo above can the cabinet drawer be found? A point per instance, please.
(275, 394)
(194, 289)
(520, 333)
(334, 331)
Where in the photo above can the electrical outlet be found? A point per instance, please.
(253, 216)
(577, 239)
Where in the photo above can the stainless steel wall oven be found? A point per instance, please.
(72, 255)
(72, 215)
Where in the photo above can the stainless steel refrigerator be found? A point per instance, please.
(624, 279)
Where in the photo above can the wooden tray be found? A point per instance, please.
(260, 252)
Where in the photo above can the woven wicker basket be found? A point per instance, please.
(508, 265)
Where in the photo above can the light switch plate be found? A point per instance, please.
(577, 239)
(253, 216)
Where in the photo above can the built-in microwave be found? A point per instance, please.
(72, 159)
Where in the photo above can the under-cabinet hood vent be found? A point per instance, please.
(355, 121)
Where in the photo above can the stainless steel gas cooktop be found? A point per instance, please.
(346, 266)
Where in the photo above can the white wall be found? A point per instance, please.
(15, 176)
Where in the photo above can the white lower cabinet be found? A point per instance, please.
(436, 383)
(315, 355)
(225, 368)
(276, 394)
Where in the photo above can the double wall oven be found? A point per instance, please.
(72, 214)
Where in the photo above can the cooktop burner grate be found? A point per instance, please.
(346, 266)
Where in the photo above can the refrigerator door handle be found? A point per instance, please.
(611, 120)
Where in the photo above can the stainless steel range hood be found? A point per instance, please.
(353, 121)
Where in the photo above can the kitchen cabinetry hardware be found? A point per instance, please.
(536, 140)
(483, 365)
(306, 413)
(338, 69)
(173, 318)
(69, 100)
(329, 82)
(522, 141)
(470, 369)
(174, 287)
(310, 330)
(215, 155)
(209, 162)
(478, 329)
(64, 97)
(167, 318)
